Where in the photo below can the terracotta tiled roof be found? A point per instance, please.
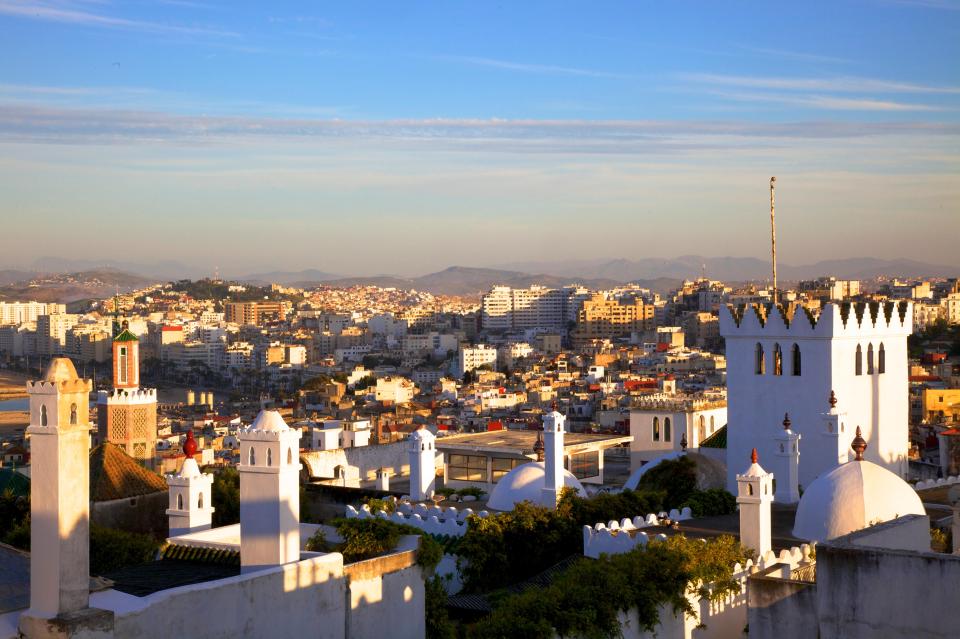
(115, 475)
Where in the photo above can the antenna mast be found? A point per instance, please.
(773, 239)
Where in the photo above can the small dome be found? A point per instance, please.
(189, 468)
(850, 497)
(269, 420)
(525, 483)
(422, 435)
(61, 369)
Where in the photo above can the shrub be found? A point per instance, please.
(225, 493)
(318, 542)
(438, 621)
(607, 506)
(472, 491)
(366, 538)
(675, 477)
(712, 502)
(381, 505)
(112, 549)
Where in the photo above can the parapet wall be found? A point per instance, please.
(124, 396)
(431, 520)
(936, 483)
(836, 319)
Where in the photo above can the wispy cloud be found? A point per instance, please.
(69, 14)
(827, 102)
(526, 67)
(839, 84)
(794, 55)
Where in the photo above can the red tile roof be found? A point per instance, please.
(116, 475)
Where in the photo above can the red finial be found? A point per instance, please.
(753, 456)
(538, 446)
(833, 400)
(786, 421)
(859, 445)
(553, 406)
(190, 446)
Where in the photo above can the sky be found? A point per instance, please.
(405, 137)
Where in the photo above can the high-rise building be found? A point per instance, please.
(603, 318)
(255, 313)
(505, 308)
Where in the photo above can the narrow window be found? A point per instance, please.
(858, 364)
(702, 432)
(122, 365)
(43, 415)
(881, 360)
(179, 502)
(796, 360)
(750, 489)
(777, 360)
(656, 429)
(253, 456)
(713, 424)
(666, 429)
(759, 364)
(269, 457)
(869, 359)
(290, 456)
(200, 501)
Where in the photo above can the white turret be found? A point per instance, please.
(191, 506)
(269, 493)
(553, 479)
(754, 495)
(59, 434)
(788, 452)
(423, 463)
(835, 433)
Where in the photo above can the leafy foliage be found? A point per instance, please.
(225, 493)
(677, 478)
(111, 549)
(381, 505)
(585, 600)
(438, 621)
(368, 538)
(607, 506)
(15, 520)
(712, 502)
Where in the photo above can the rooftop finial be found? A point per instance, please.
(832, 400)
(753, 457)
(190, 445)
(859, 445)
(786, 421)
(553, 405)
(683, 442)
(538, 446)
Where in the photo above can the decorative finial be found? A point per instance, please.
(683, 442)
(190, 446)
(786, 421)
(553, 405)
(833, 400)
(538, 446)
(753, 457)
(859, 445)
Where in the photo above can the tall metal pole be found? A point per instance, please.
(773, 239)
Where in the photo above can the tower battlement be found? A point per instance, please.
(127, 396)
(844, 319)
(42, 387)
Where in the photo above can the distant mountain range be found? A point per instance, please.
(655, 273)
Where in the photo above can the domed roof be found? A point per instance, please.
(269, 420)
(711, 473)
(61, 369)
(634, 480)
(853, 496)
(525, 483)
(422, 435)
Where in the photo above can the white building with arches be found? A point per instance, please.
(663, 422)
(790, 360)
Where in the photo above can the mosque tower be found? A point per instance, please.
(191, 505)
(421, 446)
(754, 496)
(788, 452)
(553, 477)
(127, 414)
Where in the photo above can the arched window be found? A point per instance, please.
(290, 456)
(269, 457)
(858, 364)
(43, 415)
(777, 360)
(666, 429)
(713, 424)
(759, 365)
(881, 360)
(795, 360)
(200, 501)
(869, 359)
(750, 489)
(656, 429)
(253, 456)
(73, 414)
(179, 502)
(702, 432)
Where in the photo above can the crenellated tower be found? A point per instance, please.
(789, 359)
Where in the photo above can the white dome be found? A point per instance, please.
(189, 468)
(422, 435)
(851, 497)
(525, 483)
(269, 420)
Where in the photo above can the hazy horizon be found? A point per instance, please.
(406, 139)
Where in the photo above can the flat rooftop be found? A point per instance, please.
(521, 442)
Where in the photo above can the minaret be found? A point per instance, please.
(191, 506)
(788, 450)
(835, 430)
(126, 359)
(59, 434)
(553, 476)
(421, 445)
(269, 493)
(754, 495)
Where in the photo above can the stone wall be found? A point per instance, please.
(143, 514)
(781, 607)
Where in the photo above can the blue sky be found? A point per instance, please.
(406, 137)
